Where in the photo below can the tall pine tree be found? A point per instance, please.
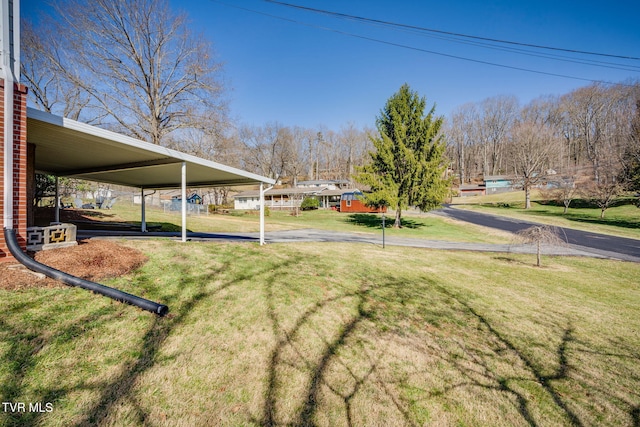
(408, 166)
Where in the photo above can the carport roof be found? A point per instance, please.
(69, 148)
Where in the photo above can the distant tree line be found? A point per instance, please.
(589, 137)
(297, 153)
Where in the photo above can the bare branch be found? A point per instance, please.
(540, 235)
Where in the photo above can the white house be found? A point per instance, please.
(280, 198)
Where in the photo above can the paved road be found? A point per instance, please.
(601, 244)
(315, 235)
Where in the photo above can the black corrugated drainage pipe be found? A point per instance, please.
(31, 264)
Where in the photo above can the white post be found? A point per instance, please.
(143, 212)
(261, 214)
(184, 201)
(56, 216)
(262, 191)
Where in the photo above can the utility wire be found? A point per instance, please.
(526, 52)
(413, 27)
(388, 43)
(518, 51)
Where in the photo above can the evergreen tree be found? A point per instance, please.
(408, 166)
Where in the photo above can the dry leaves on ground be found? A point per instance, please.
(92, 260)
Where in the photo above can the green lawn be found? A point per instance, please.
(623, 220)
(331, 335)
(417, 226)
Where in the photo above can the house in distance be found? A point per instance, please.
(353, 202)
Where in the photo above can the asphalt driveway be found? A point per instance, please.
(316, 235)
(595, 243)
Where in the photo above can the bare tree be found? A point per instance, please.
(143, 70)
(624, 143)
(48, 89)
(604, 192)
(498, 115)
(349, 138)
(354, 145)
(632, 151)
(332, 156)
(298, 162)
(478, 135)
(564, 190)
(267, 148)
(540, 235)
(461, 131)
(591, 117)
(531, 148)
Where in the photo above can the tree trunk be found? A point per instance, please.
(538, 253)
(398, 222)
(602, 212)
(527, 197)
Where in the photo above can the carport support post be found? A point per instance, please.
(143, 208)
(261, 214)
(184, 201)
(56, 215)
(262, 191)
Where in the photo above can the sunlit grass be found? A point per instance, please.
(621, 220)
(415, 226)
(326, 334)
(511, 197)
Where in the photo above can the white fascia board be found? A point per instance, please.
(136, 143)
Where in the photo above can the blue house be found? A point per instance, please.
(498, 184)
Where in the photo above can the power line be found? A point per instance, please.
(394, 44)
(431, 30)
(522, 51)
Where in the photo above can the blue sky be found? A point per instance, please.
(310, 73)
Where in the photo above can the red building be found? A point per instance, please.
(353, 202)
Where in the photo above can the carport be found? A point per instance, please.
(67, 148)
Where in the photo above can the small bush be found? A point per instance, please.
(219, 208)
(310, 203)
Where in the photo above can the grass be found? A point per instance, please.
(622, 220)
(417, 226)
(325, 334)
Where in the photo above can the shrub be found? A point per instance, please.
(309, 203)
(219, 208)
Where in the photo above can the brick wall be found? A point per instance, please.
(19, 174)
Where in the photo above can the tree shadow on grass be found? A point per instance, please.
(616, 222)
(384, 309)
(563, 373)
(577, 212)
(635, 416)
(375, 221)
(122, 387)
(293, 339)
(633, 223)
(391, 307)
(45, 215)
(24, 349)
(26, 344)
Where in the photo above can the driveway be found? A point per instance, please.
(316, 235)
(595, 243)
